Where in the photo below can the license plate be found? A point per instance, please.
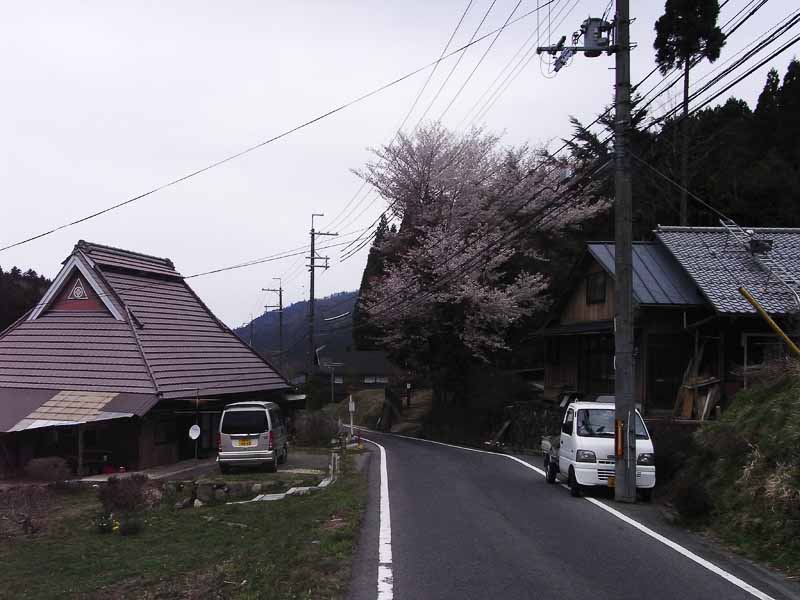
(612, 481)
(244, 443)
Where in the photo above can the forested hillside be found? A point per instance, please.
(19, 292)
(336, 334)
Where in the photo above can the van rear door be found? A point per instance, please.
(241, 428)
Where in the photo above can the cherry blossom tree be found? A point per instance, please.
(461, 271)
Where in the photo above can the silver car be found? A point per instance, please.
(252, 433)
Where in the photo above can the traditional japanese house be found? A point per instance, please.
(693, 328)
(115, 364)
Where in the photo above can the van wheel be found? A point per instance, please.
(574, 486)
(224, 469)
(645, 494)
(272, 466)
(550, 470)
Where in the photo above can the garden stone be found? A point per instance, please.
(220, 495)
(198, 503)
(256, 489)
(205, 492)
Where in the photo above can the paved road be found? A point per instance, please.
(472, 525)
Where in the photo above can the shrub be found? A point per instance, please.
(314, 429)
(123, 501)
(26, 506)
(691, 499)
(49, 468)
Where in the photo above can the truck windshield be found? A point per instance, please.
(244, 421)
(598, 422)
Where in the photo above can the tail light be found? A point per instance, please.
(271, 443)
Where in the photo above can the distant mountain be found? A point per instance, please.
(335, 335)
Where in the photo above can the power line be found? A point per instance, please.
(408, 114)
(478, 64)
(270, 140)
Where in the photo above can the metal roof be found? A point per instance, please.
(22, 409)
(168, 343)
(657, 278)
(718, 265)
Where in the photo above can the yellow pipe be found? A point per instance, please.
(775, 327)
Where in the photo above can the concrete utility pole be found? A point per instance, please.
(594, 33)
(625, 488)
(279, 291)
(312, 267)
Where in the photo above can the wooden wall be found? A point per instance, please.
(577, 311)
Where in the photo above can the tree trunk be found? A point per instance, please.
(685, 145)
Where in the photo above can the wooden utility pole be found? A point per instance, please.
(595, 42)
(312, 267)
(279, 306)
(625, 485)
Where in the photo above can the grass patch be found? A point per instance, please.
(743, 478)
(296, 548)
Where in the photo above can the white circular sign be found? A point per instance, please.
(194, 432)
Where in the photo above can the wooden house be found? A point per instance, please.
(115, 364)
(692, 326)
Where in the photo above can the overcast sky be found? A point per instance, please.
(104, 100)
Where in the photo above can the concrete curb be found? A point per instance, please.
(333, 474)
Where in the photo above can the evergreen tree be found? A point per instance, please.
(686, 33)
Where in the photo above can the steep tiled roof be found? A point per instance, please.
(718, 264)
(657, 277)
(163, 340)
(125, 259)
(185, 346)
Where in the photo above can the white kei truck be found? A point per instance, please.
(583, 453)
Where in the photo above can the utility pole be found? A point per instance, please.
(625, 417)
(279, 291)
(312, 267)
(251, 331)
(594, 33)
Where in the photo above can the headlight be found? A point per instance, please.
(585, 456)
(646, 458)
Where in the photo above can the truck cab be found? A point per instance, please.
(583, 452)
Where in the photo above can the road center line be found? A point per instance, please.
(385, 577)
(699, 560)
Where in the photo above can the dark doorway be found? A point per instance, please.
(667, 358)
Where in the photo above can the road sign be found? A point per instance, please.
(194, 432)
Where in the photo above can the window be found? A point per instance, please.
(276, 418)
(596, 288)
(567, 426)
(244, 421)
(599, 422)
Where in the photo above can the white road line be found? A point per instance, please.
(729, 577)
(385, 577)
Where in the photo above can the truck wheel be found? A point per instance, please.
(550, 470)
(574, 486)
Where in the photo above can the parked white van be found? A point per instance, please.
(584, 451)
(252, 433)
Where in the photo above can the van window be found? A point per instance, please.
(276, 418)
(244, 421)
(567, 426)
(599, 422)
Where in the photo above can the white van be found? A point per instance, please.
(252, 433)
(584, 451)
